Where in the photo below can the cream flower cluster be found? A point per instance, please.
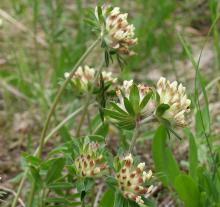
(107, 77)
(143, 91)
(118, 33)
(131, 180)
(174, 95)
(84, 76)
(90, 163)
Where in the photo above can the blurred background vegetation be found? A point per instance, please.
(40, 40)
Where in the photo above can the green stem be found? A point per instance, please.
(83, 116)
(59, 93)
(83, 203)
(20, 187)
(89, 121)
(57, 98)
(44, 192)
(134, 138)
(148, 119)
(60, 125)
(88, 100)
(31, 197)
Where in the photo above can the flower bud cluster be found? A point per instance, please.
(174, 95)
(131, 180)
(90, 162)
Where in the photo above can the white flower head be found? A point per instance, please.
(175, 96)
(131, 180)
(117, 32)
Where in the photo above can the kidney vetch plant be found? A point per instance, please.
(85, 170)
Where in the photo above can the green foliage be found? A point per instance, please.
(193, 154)
(107, 198)
(187, 190)
(134, 98)
(55, 169)
(165, 164)
(161, 109)
(31, 71)
(131, 112)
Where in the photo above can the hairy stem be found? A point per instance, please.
(134, 138)
(38, 152)
(88, 100)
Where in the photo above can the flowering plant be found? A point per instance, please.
(96, 164)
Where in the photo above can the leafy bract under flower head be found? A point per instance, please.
(135, 103)
(84, 77)
(138, 95)
(131, 180)
(174, 95)
(90, 161)
(117, 33)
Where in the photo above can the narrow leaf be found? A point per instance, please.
(117, 108)
(161, 109)
(164, 161)
(188, 190)
(145, 100)
(193, 156)
(134, 97)
(55, 170)
(128, 106)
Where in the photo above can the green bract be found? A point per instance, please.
(135, 103)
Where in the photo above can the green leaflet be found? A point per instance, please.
(187, 191)
(165, 164)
